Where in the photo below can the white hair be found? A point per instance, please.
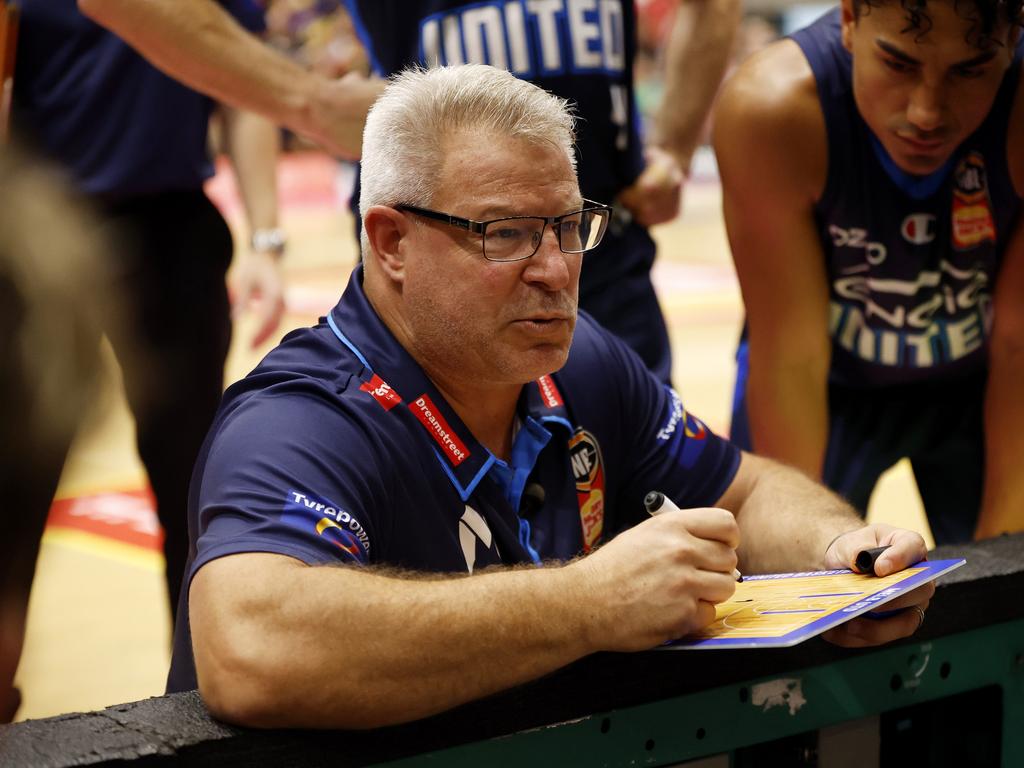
(403, 140)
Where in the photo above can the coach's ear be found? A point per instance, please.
(387, 231)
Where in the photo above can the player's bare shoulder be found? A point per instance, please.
(1015, 137)
(769, 118)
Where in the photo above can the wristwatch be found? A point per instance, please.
(269, 241)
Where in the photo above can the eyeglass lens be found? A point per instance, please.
(519, 238)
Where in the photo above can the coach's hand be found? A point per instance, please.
(661, 579)
(898, 618)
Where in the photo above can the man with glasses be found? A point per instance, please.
(453, 416)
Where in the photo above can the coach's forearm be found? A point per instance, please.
(786, 519)
(281, 644)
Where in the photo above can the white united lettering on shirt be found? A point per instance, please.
(550, 36)
(450, 445)
(340, 516)
(939, 317)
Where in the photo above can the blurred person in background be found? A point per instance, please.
(135, 142)
(52, 289)
(586, 54)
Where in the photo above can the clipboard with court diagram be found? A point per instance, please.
(783, 609)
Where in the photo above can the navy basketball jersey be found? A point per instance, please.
(911, 260)
(581, 50)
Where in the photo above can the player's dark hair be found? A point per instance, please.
(986, 17)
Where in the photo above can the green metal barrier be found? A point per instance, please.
(723, 719)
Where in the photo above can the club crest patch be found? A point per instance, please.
(973, 223)
(588, 471)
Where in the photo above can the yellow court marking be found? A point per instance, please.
(101, 546)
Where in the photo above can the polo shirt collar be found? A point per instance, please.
(392, 377)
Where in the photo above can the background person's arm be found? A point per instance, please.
(770, 142)
(256, 279)
(1002, 507)
(281, 644)
(698, 51)
(696, 55)
(200, 44)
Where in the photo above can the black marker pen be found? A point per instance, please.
(657, 502)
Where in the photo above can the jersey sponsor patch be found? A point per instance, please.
(693, 427)
(382, 392)
(452, 447)
(319, 517)
(588, 470)
(549, 393)
(973, 223)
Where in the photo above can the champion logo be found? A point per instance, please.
(918, 228)
(382, 392)
(455, 450)
(549, 392)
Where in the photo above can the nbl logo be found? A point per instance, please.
(918, 228)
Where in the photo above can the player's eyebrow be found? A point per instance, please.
(982, 58)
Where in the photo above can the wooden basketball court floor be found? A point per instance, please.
(99, 626)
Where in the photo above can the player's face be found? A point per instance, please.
(922, 94)
(497, 322)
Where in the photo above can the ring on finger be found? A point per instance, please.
(920, 615)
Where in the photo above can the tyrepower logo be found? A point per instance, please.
(306, 511)
(549, 392)
(382, 392)
(454, 449)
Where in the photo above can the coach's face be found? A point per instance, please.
(922, 92)
(497, 322)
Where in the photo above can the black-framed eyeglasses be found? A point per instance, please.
(514, 238)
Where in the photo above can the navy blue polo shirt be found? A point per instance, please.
(337, 448)
(86, 99)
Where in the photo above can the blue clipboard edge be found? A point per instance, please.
(932, 570)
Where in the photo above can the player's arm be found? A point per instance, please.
(200, 44)
(278, 643)
(696, 56)
(790, 523)
(1002, 506)
(770, 142)
(253, 144)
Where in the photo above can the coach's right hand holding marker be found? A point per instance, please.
(903, 549)
(659, 580)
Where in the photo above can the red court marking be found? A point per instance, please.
(128, 517)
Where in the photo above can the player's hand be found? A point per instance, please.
(656, 196)
(898, 618)
(661, 579)
(256, 282)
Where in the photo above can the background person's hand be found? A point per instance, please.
(660, 579)
(656, 196)
(256, 283)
